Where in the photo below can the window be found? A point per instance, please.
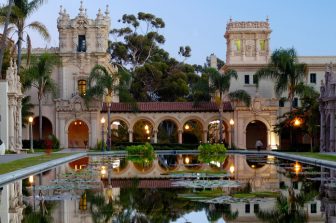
(238, 45)
(262, 44)
(81, 43)
(313, 78)
(247, 79)
(255, 79)
(247, 208)
(256, 208)
(313, 208)
(82, 87)
(295, 102)
(281, 103)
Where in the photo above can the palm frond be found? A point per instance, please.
(241, 95)
(41, 29)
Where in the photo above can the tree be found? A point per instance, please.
(21, 11)
(104, 84)
(138, 43)
(286, 72)
(220, 85)
(26, 110)
(185, 52)
(38, 75)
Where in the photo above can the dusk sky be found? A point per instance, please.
(307, 25)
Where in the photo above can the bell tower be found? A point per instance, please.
(247, 42)
(83, 43)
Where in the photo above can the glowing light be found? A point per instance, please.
(214, 122)
(116, 123)
(103, 170)
(186, 127)
(187, 160)
(232, 169)
(147, 131)
(231, 122)
(297, 167)
(253, 166)
(146, 128)
(148, 137)
(30, 119)
(297, 122)
(75, 123)
(102, 121)
(80, 123)
(31, 179)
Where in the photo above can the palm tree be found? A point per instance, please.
(287, 209)
(21, 10)
(286, 72)
(26, 110)
(103, 84)
(220, 84)
(38, 75)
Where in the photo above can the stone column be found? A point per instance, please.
(130, 136)
(322, 129)
(19, 138)
(332, 132)
(62, 133)
(180, 132)
(11, 125)
(205, 136)
(155, 136)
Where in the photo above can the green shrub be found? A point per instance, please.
(211, 152)
(98, 146)
(55, 144)
(141, 154)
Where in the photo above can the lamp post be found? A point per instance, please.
(30, 119)
(108, 101)
(31, 181)
(102, 121)
(231, 124)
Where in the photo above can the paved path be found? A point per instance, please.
(11, 157)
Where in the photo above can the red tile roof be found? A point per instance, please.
(166, 107)
(125, 183)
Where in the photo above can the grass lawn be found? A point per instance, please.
(316, 155)
(31, 161)
(256, 194)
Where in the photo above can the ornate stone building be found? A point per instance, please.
(82, 45)
(328, 110)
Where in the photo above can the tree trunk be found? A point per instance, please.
(4, 36)
(108, 128)
(20, 34)
(221, 123)
(40, 118)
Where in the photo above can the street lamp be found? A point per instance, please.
(108, 101)
(102, 121)
(231, 124)
(30, 119)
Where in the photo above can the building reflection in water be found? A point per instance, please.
(111, 175)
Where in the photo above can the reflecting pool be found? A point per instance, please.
(173, 188)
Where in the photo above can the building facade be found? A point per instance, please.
(82, 45)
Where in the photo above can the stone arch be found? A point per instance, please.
(256, 130)
(78, 133)
(120, 131)
(114, 118)
(167, 130)
(226, 130)
(47, 128)
(134, 121)
(170, 118)
(191, 132)
(193, 117)
(140, 133)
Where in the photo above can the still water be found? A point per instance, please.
(173, 188)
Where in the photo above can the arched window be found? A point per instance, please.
(82, 87)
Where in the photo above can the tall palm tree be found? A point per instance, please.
(21, 11)
(26, 110)
(38, 75)
(103, 84)
(220, 84)
(286, 72)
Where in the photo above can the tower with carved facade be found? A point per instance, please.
(83, 43)
(247, 42)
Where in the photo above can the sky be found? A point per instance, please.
(306, 25)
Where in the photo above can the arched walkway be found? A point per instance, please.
(143, 131)
(47, 128)
(119, 130)
(256, 130)
(167, 132)
(213, 132)
(78, 134)
(192, 132)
